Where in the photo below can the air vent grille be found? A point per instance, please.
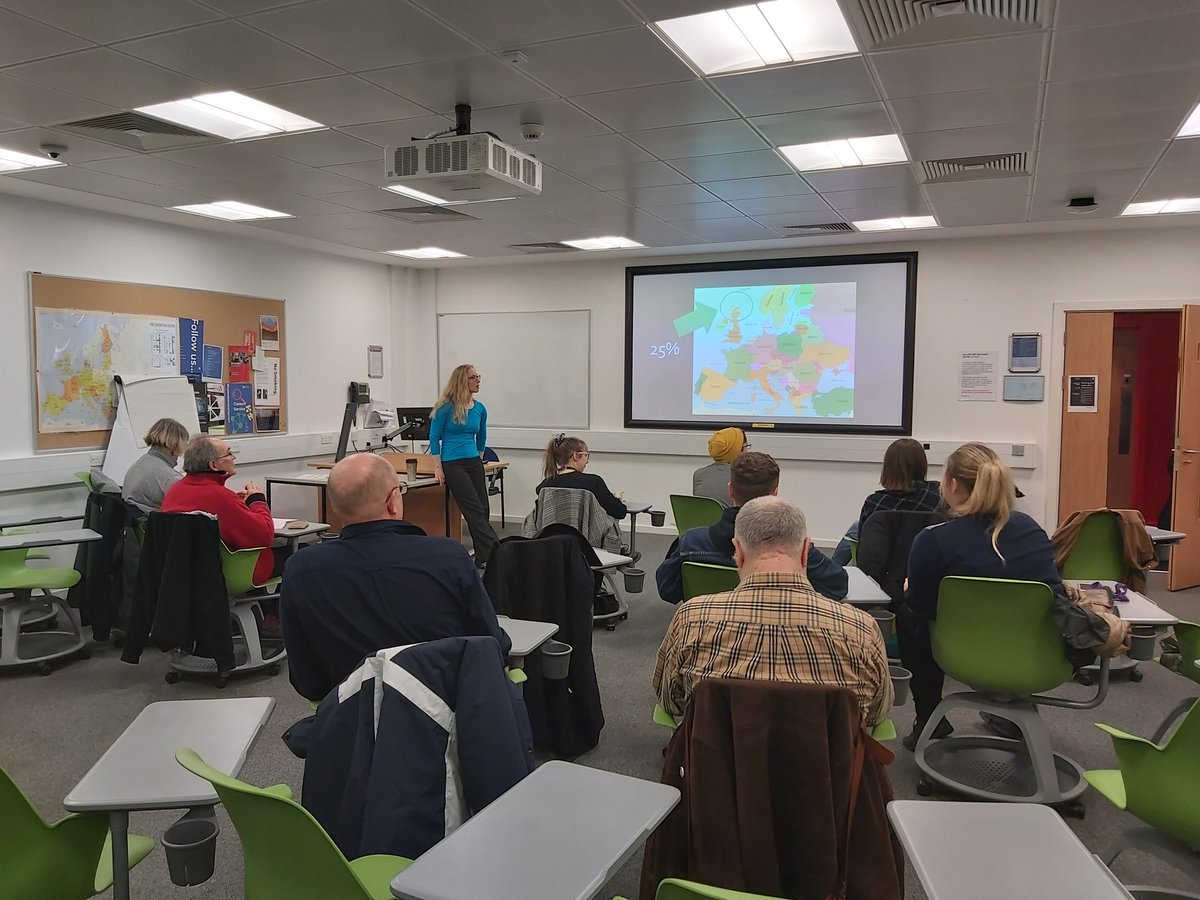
(407, 161)
(888, 19)
(422, 215)
(446, 156)
(541, 247)
(135, 123)
(827, 228)
(973, 168)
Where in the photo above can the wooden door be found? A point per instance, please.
(1083, 463)
(1185, 495)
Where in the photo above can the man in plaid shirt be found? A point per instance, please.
(773, 626)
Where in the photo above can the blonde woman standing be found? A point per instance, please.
(457, 439)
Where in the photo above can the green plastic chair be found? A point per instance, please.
(86, 478)
(692, 512)
(1187, 636)
(853, 542)
(707, 578)
(68, 859)
(1099, 552)
(32, 552)
(18, 581)
(678, 889)
(999, 637)
(1160, 784)
(286, 851)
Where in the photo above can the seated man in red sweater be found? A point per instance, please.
(244, 517)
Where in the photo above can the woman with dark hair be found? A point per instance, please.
(903, 486)
(563, 467)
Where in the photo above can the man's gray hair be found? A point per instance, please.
(200, 451)
(770, 523)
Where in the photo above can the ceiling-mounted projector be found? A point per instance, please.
(461, 168)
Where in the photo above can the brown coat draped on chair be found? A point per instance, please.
(767, 772)
(1137, 546)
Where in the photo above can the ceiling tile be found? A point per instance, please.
(1109, 156)
(1014, 187)
(743, 229)
(768, 206)
(24, 101)
(862, 178)
(665, 195)
(559, 119)
(23, 39)
(229, 55)
(1149, 45)
(313, 182)
(1126, 128)
(1108, 187)
(728, 166)
(110, 77)
(900, 197)
(245, 7)
(751, 188)
(1171, 183)
(616, 59)
(145, 167)
(106, 23)
(634, 175)
(967, 109)
(364, 34)
(989, 211)
(1089, 13)
(657, 106)
(829, 124)
(1175, 89)
(369, 199)
(968, 66)
(518, 23)
(586, 154)
(708, 139)
(477, 81)
(261, 191)
(232, 160)
(1181, 156)
(79, 149)
(366, 173)
(321, 148)
(837, 82)
(885, 209)
(340, 100)
(686, 214)
(391, 133)
(80, 179)
(1012, 138)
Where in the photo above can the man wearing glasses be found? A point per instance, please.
(382, 584)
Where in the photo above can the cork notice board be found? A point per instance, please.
(85, 332)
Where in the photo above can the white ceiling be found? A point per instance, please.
(635, 143)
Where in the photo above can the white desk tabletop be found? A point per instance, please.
(300, 476)
(526, 635)
(864, 590)
(1138, 609)
(610, 560)
(998, 851)
(48, 539)
(139, 770)
(24, 521)
(638, 506)
(1162, 536)
(282, 530)
(533, 843)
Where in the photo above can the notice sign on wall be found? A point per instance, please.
(977, 374)
(1081, 393)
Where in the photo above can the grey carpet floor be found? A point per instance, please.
(52, 729)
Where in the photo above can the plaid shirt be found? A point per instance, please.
(774, 627)
(925, 496)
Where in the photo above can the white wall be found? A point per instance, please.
(971, 294)
(334, 308)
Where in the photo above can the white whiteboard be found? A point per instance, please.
(535, 365)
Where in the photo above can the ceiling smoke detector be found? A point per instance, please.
(1081, 206)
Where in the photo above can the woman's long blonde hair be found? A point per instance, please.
(989, 485)
(456, 393)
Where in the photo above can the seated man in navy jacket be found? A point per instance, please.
(382, 584)
(751, 475)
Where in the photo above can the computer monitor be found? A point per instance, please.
(348, 418)
(417, 420)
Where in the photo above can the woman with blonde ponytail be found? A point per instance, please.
(985, 537)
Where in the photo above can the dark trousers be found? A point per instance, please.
(916, 655)
(468, 487)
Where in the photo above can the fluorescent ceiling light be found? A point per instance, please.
(881, 150)
(415, 194)
(603, 243)
(12, 161)
(232, 210)
(900, 224)
(1156, 207)
(230, 115)
(427, 253)
(1191, 127)
(772, 33)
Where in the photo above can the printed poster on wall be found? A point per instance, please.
(201, 401)
(216, 407)
(266, 383)
(268, 331)
(1081, 393)
(250, 339)
(239, 364)
(191, 360)
(164, 346)
(266, 419)
(213, 364)
(239, 408)
(977, 374)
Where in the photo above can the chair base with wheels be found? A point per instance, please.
(247, 648)
(19, 609)
(610, 619)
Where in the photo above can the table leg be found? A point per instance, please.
(118, 824)
(320, 503)
(446, 497)
(632, 532)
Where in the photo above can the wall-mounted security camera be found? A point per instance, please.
(532, 131)
(52, 151)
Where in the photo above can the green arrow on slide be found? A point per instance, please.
(700, 317)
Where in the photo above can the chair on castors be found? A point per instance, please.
(1187, 636)
(1099, 551)
(18, 607)
(693, 512)
(999, 638)
(707, 578)
(1160, 784)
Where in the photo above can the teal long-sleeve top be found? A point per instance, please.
(458, 440)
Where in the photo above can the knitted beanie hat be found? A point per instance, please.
(726, 444)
